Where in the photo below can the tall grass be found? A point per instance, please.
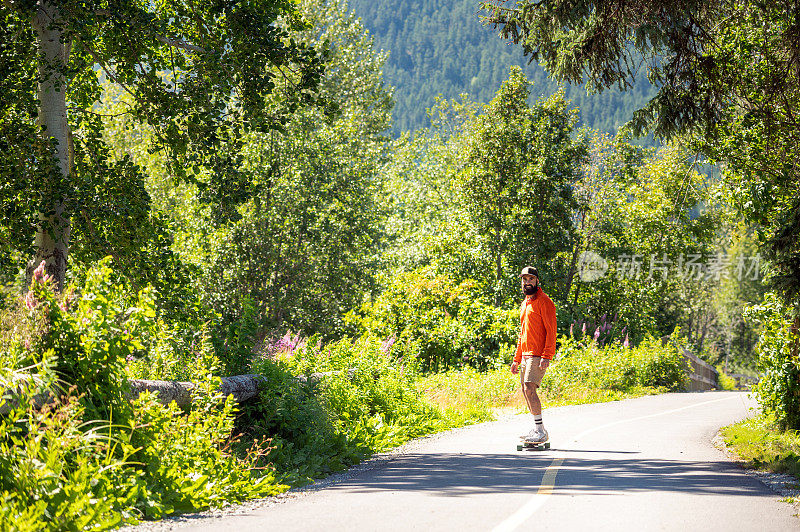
(582, 373)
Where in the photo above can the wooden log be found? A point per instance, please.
(242, 387)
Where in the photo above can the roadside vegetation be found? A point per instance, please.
(762, 444)
(203, 213)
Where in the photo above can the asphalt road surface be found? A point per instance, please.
(640, 464)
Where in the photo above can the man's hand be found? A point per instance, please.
(514, 368)
(543, 363)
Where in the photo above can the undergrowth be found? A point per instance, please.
(763, 444)
(363, 403)
(582, 373)
(76, 453)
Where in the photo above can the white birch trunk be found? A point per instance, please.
(52, 234)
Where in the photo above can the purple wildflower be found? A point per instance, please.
(287, 344)
(387, 344)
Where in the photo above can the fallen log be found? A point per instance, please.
(242, 387)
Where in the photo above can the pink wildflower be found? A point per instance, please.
(387, 344)
(626, 343)
(287, 344)
(39, 272)
(597, 333)
(30, 300)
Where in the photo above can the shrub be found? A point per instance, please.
(365, 403)
(59, 472)
(439, 324)
(614, 367)
(778, 391)
(726, 382)
(93, 459)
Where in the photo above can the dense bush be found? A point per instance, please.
(652, 364)
(778, 390)
(93, 458)
(364, 402)
(59, 472)
(439, 324)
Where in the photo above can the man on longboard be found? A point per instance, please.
(536, 347)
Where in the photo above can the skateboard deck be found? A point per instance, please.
(525, 445)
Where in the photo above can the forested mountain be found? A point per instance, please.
(441, 47)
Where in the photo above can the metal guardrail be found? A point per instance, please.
(702, 376)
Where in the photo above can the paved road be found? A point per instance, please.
(641, 464)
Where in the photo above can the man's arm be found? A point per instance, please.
(549, 319)
(518, 354)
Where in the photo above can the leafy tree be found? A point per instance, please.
(734, 338)
(425, 213)
(644, 213)
(519, 165)
(198, 74)
(307, 243)
(728, 78)
(740, 110)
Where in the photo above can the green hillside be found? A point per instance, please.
(441, 47)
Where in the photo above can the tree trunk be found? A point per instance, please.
(498, 271)
(52, 232)
(573, 269)
(242, 387)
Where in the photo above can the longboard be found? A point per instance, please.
(531, 446)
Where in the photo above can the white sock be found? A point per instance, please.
(538, 420)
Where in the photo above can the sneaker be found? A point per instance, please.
(531, 434)
(537, 436)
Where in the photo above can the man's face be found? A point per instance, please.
(530, 280)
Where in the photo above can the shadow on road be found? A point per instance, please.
(468, 474)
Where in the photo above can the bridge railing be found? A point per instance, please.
(702, 376)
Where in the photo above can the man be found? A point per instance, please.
(536, 347)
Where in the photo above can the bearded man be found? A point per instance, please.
(536, 347)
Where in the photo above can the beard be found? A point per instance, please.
(530, 290)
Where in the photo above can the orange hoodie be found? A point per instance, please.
(537, 337)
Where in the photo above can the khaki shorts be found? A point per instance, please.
(529, 371)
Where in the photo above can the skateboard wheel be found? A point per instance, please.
(519, 447)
